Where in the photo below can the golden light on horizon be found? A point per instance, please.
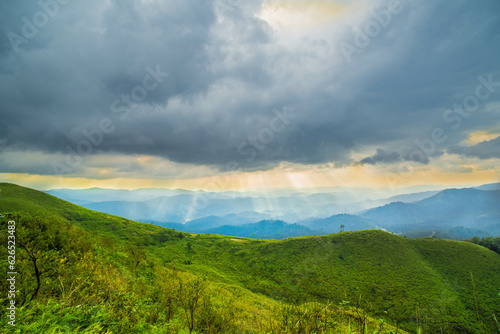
(296, 177)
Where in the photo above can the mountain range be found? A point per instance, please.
(451, 213)
(180, 206)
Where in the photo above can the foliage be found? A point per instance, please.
(99, 273)
(488, 242)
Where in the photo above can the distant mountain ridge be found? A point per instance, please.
(450, 213)
(265, 229)
(491, 186)
(469, 208)
(176, 206)
(336, 223)
(454, 213)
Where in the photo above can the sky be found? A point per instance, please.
(249, 95)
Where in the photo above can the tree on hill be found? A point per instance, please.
(39, 245)
(492, 243)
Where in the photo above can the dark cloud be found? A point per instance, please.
(389, 157)
(382, 156)
(229, 72)
(485, 150)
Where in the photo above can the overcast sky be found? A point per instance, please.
(177, 90)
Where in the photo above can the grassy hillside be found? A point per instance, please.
(392, 276)
(17, 198)
(102, 272)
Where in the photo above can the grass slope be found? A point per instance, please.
(392, 275)
(415, 283)
(17, 198)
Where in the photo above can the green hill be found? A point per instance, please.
(81, 270)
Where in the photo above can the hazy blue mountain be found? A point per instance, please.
(455, 233)
(206, 223)
(186, 207)
(210, 222)
(236, 210)
(134, 211)
(409, 198)
(104, 195)
(247, 217)
(470, 208)
(176, 209)
(332, 224)
(93, 195)
(266, 229)
(453, 214)
(422, 213)
(491, 186)
(181, 205)
(175, 226)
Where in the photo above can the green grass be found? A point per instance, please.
(427, 284)
(391, 274)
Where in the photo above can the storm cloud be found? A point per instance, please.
(485, 150)
(382, 156)
(207, 83)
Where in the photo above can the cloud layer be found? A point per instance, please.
(240, 88)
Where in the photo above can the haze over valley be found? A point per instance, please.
(450, 213)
